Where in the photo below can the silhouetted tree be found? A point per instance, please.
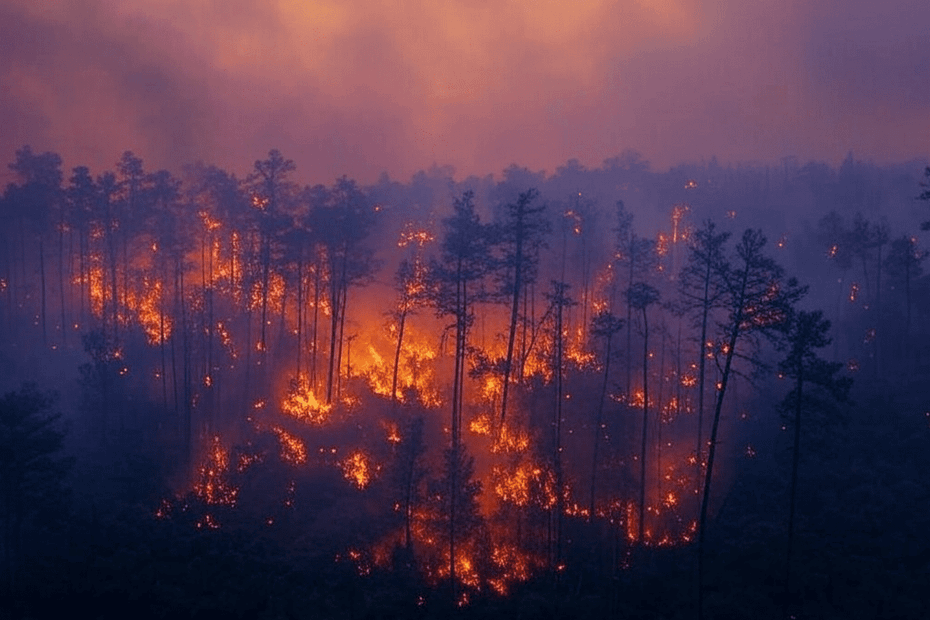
(410, 283)
(270, 192)
(702, 291)
(807, 331)
(641, 296)
(409, 473)
(456, 281)
(925, 195)
(904, 265)
(35, 199)
(342, 219)
(604, 326)
(82, 200)
(636, 256)
(559, 302)
(457, 491)
(522, 234)
(759, 302)
(32, 469)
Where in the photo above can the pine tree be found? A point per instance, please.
(522, 235)
(806, 333)
(32, 469)
(604, 326)
(457, 284)
(702, 292)
(641, 296)
(759, 302)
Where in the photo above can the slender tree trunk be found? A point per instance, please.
(908, 365)
(161, 341)
(266, 269)
(316, 322)
(457, 385)
(114, 295)
(188, 414)
(124, 236)
(210, 324)
(876, 341)
(795, 460)
(341, 340)
(335, 289)
(702, 368)
(514, 307)
(82, 267)
(597, 428)
(523, 333)
(659, 402)
(42, 279)
(400, 341)
(708, 475)
(300, 310)
(642, 451)
(559, 474)
(61, 281)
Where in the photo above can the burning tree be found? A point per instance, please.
(342, 219)
(522, 233)
(457, 491)
(457, 284)
(408, 473)
(270, 192)
(410, 282)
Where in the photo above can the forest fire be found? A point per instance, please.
(357, 469)
(477, 406)
(293, 449)
(213, 483)
(300, 402)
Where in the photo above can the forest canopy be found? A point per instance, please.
(531, 391)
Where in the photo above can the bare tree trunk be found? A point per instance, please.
(342, 331)
(642, 451)
(597, 428)
(702, 368)
(61, 281)
(795, 459)
(42, 278)
(400, 341)
(316, 322)
(557, 460)
(708, 476)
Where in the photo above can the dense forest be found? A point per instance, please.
(599, 392)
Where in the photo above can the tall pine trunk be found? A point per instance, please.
(642, 451)
(597, 427)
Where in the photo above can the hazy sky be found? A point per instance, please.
(360, 86)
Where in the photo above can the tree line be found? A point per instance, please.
(200, 295)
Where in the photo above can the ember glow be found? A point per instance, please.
(300, 402)
(473, 383)
(357, 469)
